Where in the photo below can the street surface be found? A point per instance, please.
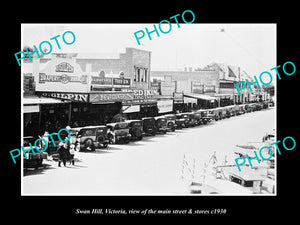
(152, 166)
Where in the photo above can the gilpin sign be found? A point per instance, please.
(67, 96)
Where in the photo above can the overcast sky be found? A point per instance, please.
(250, 46)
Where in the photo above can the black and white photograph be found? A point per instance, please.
(131, 111)
(172, 109)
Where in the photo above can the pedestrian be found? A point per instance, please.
(72, 154)
(63, 153)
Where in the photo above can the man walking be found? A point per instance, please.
(63, 153)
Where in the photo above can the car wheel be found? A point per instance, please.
(105, 145)
(89, 145)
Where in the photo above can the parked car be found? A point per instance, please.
(185, 117)
(192, 119)
(171, 122)
(135, 129)
(241, 110)
(215, 114)
(118, 132)
(161, 124)
(149, 126)
(33, 160)
(205, 118)
(91, 137)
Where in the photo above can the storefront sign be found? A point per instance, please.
(130, 109)
(121, 81)
(61, 75)
(110, 81)
(101, 80)
(197, 87)
(144, 96)
(64, 78)
(68, 96)
(111, 97)
(178, 97)
(165, 106)
(209, 88)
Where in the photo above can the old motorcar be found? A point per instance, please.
(118, 132)
(215, 113)
(90, 138)
(204, 117)
(161, 124)
(171, 122)
(179, 122)
(33, 159)
(192, 119)
(241, 110)
(135, 129)
(185, 117)
(149, 126)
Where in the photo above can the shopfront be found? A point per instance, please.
(200, 101)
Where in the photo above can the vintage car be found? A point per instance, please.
(179, 122)
(135, 129)
(218, 113)
(265, 105)
(240, 110)
(171, 122)
(230, 111)
(185, 117)
(213, 114)
(161, 124)
(91, 137)
(198, 117)
(248, 108)
(118, 132)
(192, 119)
(204, 117)
(224, 113)
(149, 126)
(33, 159)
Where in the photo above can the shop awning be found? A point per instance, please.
(199, 96)
(223, 95)
(42, 100)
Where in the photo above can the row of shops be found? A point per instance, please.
(95, 108)
(78, 91)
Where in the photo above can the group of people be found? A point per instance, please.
(66, 152)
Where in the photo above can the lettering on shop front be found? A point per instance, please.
(68, 96)
(64, 78)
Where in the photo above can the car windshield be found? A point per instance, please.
(136, 124)
(87, 132)
(101, 130)
(149, 121)
(170, 117)
(121, 126)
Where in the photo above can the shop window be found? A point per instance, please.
(146, 75)
(135, 73)
(138, 74)
(142, 75)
